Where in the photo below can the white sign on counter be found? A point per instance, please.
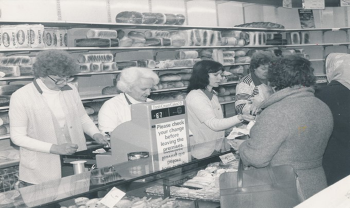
(313, 4)
(172, 143)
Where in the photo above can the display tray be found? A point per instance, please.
(182, 197)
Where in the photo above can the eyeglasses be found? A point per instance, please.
(61, 81)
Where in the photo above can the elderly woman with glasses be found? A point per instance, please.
(48, 118)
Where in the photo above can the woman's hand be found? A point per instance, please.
(99, 138)
(255, 105)
(64, 149)
(243, 117)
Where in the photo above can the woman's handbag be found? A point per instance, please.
(269, 187)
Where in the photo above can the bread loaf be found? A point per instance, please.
(109, 66)
(240, 53)
(305, 37)
(169, 77)
(10, 71)
(96, 33)
(183, 63)
(186, 55)
(207, 36)
(96, 67)
(170, 19)
(227, 98)
(3, 130)
(120, 34)
(125, 42)
(138, 37)
(92, 42)
(160, 18)
(198, 37)
(149, 18)
(153, 42)
(229, 60)
(241, 42)
(26, 70)
(129, 17)
(125, 64)
(114, 42)
(216, 39)
(189, 37)
(85, 67)
(180, 19)
(89, 58)
(15, 60)
(109, 90)
(156, 34)
(229, 54)
(185, 76)
(178, 38)
(166, 42)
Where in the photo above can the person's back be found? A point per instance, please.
(337, 153)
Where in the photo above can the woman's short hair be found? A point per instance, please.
(290, 71)
(55, 62)
(130, 76)
(260, 58)
(200, 75)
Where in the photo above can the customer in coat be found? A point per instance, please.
(253, 88)
(336, 160)
(205, 116)
(294, 126)
(136, 84)
(48, 118)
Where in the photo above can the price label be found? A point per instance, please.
(112, 197)
(335, 29)
(229, 157)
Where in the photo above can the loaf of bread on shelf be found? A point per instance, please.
(186, 54)
(185, 76)
(125, 64)
(109, 66)
(138, 37)
(9, 71)
(207, 37)
(26, 70)
(180, 19)
(129, 17)
(101, 33)
(229, 54)
(4, 101)
(170, 19)
(216, 39)
(96, 67)
(84, 67)
(153, 42)
(99, 57)
(125, 42)
(240, 53)
(169, 77)
(110, 90)
(15, 60)
(92, 42)
(156, 34)
(178, 38)
(149, 18)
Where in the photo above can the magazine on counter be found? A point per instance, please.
(306, 17)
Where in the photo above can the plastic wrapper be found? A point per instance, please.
(161, 18)
(180, 19)
(50, 37)
(22, 37)
(9, 71)
(109, 66)
(96, 33)
(8, 36)
(149, 18)
(187, 54)
(89, 58)
(129, 17)
(37, 36)
(156, 34)
(92, 42)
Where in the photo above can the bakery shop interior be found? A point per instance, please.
(174, 103)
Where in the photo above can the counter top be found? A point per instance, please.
(4, 163)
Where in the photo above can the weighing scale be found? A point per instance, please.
(159, 128)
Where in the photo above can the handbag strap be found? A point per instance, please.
(240, 174)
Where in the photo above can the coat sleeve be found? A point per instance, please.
(266, 137)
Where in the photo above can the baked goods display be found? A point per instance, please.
(22, 36)
(269, 25)
(204, 185)
(15, 66)
(97, 62)
(226, 93)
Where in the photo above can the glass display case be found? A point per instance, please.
(184, 185)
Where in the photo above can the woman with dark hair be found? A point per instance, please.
(293, 127)
(336, 159)
(206, 121)
(48, 118)
(254, 88)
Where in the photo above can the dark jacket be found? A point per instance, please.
(336, 160)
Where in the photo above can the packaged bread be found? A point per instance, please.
(37, 36)
(178, 38)
(129, 17)
(185, 76)
(62, 36)
(189, 37)
(229, 54)
(216, 39)
(156, 34)
(227, 98)
(153, 42)
(241, 42)
(50, 37)
(92, 42)
(8, 36)
(229, 60)
(22, 36)
(114, 42)
(10, 71)
(166, 42)
(180, 19)
(169, 77)
(186, 54)
(148, 18)
(85, 67)
(26, 70)
(183, 62)
(4, 100)
(231, 33)
(98, 33)
(240, 53)
(109, 66)
(15, 60)
(137, 37)
(110, 90)
(170, 19)
(95, 57)
(207, 37)
(9, 89)
(161, 18)
(96, 67)
(198, 37)
(125, 42)
(126, 64)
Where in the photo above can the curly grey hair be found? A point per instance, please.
(130, 76)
